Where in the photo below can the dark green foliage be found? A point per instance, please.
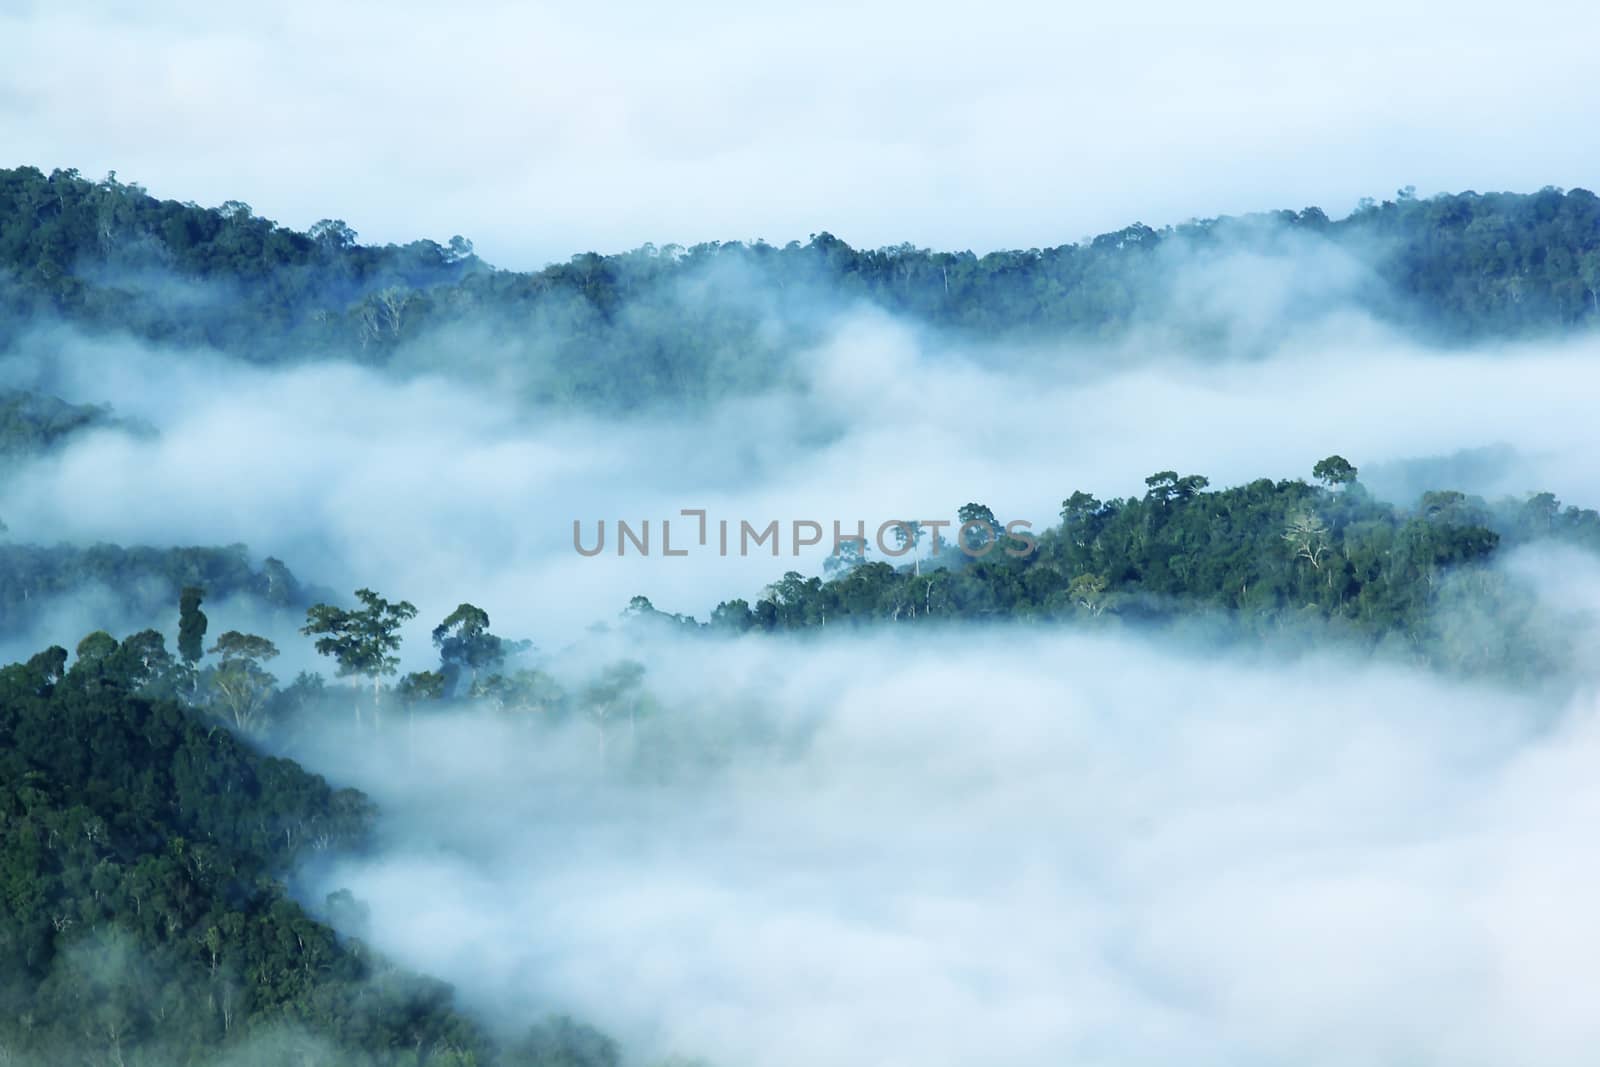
(467, 650)
(1274, 560)
(107, 255)
(191, 624)
(143, 917)
(674, 325)
(239, 688)
(1334, 471)
(363, 640)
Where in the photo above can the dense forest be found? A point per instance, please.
(673, 325)
(150, 838)
(144, 916)
(1287, 561)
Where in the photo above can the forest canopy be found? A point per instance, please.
(675, 324)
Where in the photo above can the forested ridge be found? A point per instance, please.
(1314, 564)
(135, 582)
(149, 841)
(144, 918)
(144, 922)
(680, 324)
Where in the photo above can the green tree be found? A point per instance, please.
(911, 534)
(144, 664)
(242, 685)
(1334, 471)
(466, 646)
(1162, 486)
(94, 656)
(191, 625)
(985, 529)
(50, 665)
(362, 641)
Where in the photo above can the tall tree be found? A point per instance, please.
(913, 534)
(191, 625)
(362, 641)
(145, 664)
(466, 646)
(1334, 471)
(1308, 537)
(241, 682)
(985, 528)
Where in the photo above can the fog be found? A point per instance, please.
(993, 847)
(440, 490)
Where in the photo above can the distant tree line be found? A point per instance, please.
(136, 582)
(33, 423)
(676, 324)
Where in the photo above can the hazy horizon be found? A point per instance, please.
(540, 131)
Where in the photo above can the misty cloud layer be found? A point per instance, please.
(981, 847)
(440, 490)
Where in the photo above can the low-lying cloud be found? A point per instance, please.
(438, 490)
(972, 847)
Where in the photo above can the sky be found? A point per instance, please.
(540, 130)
